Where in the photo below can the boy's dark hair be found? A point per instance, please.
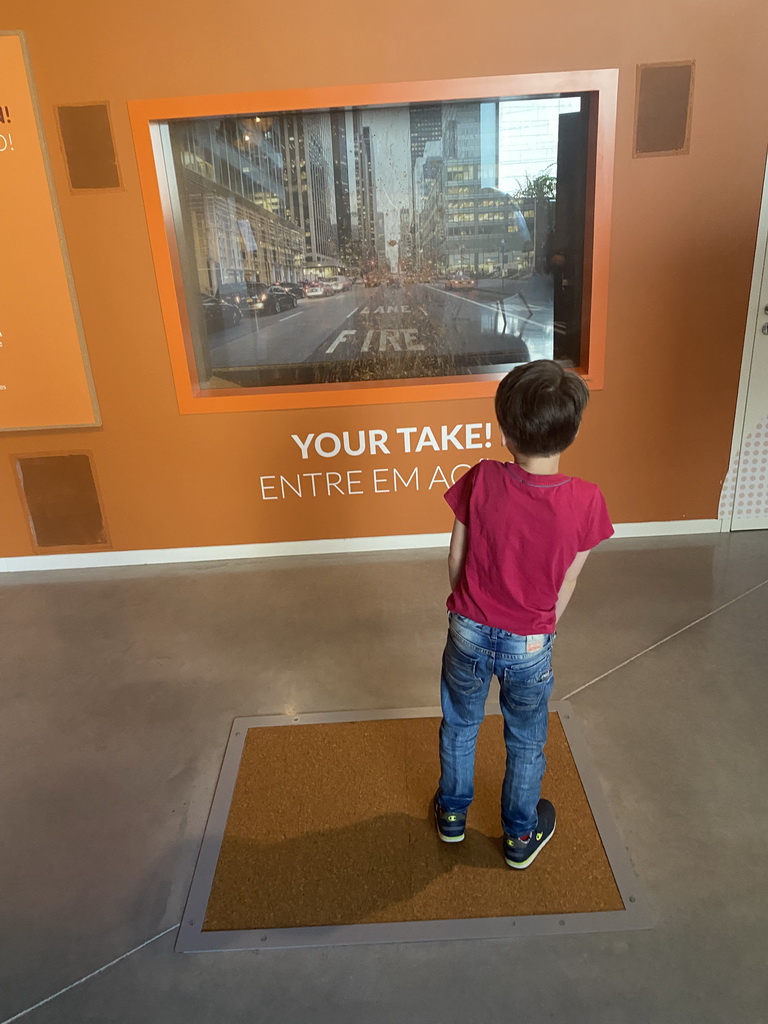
(539, 407)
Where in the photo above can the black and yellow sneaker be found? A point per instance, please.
(450, 824)
(521, 851)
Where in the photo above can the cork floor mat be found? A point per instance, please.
(331, 824)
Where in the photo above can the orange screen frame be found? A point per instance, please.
(193, 399)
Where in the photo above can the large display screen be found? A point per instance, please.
(44, 376)
(333, 245)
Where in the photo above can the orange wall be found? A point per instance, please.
(657, 438)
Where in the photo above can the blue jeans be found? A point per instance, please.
(473, 655)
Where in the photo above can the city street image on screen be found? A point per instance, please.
(386, 243)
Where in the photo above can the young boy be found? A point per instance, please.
(521, 537)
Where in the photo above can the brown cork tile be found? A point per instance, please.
(331, 824)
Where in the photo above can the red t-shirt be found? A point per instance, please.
(523, 533)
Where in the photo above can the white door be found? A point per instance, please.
(745, 493)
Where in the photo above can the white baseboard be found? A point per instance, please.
(673, 528)
(223, 552)
(341, 545)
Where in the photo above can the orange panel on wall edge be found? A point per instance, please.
(45, 378)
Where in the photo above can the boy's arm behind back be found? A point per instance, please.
(457, 553)
(569, 583)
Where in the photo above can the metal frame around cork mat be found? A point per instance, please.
(192, 939)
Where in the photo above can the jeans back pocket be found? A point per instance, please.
(525, 684)
(460, 668)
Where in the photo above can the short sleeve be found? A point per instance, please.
(458, 497)
(598, 526)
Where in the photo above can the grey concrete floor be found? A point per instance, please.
(118, 689)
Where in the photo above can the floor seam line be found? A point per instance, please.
(93, 974)
(658, 643)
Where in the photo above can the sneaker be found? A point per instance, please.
(450, 824)
(521, 851)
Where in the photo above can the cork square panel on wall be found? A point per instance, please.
(86, 136)
(663, 106)
(62, 501)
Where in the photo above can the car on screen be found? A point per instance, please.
(293, 289)
(219, 313)
(318, 290)
(460, 282)
(272, 299)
